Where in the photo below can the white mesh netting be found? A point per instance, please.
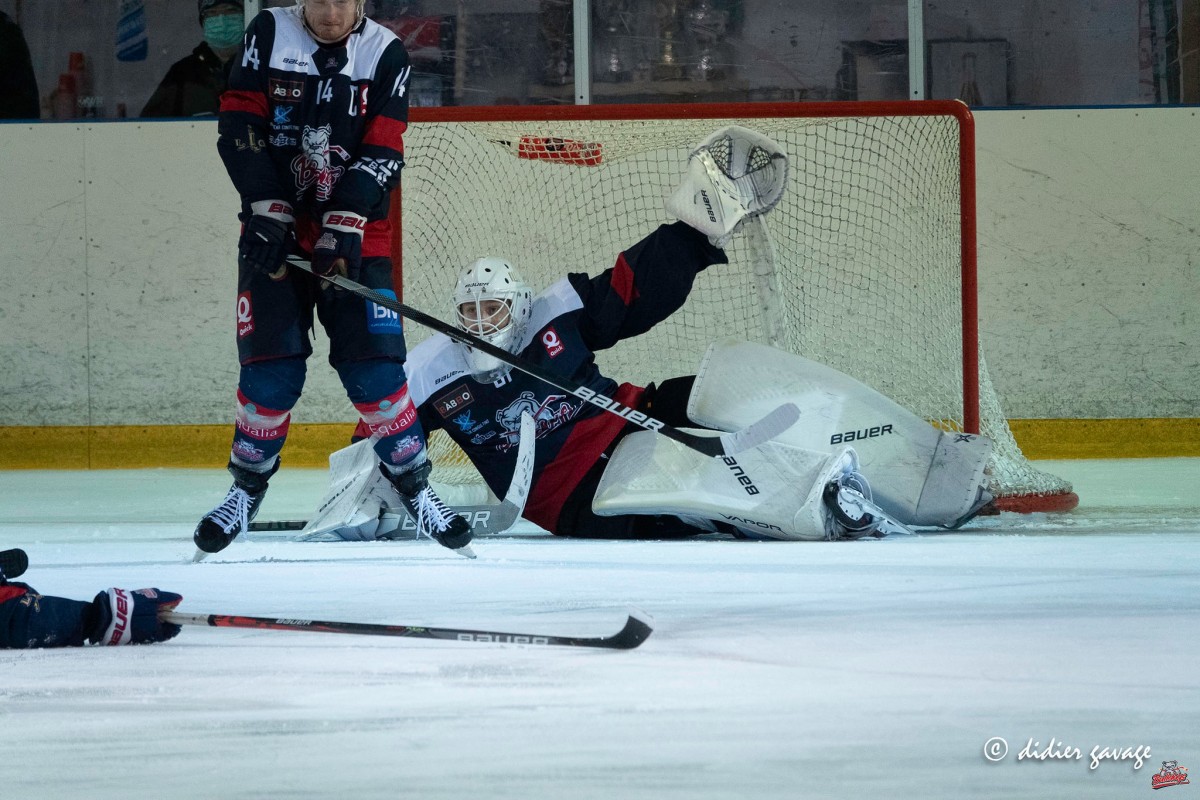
(860, 266)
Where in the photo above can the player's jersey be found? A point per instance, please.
(318, 126)
(573, 319)
(28, 619)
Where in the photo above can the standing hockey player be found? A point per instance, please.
(115, 616)
(311, 133)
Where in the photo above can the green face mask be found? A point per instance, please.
(223, 31)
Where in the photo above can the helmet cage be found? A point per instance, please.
(492, 285)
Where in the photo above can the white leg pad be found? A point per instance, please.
(919, 474)
(773, 490)
(357, 494)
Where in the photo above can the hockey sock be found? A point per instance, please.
(259, 435)
(393, 420)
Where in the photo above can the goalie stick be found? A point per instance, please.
(637, 629)
(485, 519)
(357, 507)
(13, 563)
(770, 426)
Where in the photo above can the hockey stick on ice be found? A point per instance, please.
(13, 563)
(485, 519)
(637, 629)
(770, 426)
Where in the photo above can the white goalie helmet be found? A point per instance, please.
(492, 302)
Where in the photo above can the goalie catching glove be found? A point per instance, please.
(733, 175)
(339, 248)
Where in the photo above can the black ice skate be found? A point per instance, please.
(431, 515)
(221, 526)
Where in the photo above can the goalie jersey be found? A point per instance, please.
(319, 126)
(572, 320)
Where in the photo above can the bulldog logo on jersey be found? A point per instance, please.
(315, 164)
(550, 413)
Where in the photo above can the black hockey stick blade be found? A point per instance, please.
(637, 629)
(13, 563)
(277, 525)
(724, 445)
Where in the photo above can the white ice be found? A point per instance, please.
(776, 670)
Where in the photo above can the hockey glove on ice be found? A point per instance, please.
(267, 236)
(339, 249)
(131, 617)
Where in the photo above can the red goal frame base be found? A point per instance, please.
(1038, 503)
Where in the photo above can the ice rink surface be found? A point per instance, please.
(863, 669)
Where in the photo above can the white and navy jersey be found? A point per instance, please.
(573, 319)
(319, 126)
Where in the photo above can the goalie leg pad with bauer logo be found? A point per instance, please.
(773, 490)
(919, 474)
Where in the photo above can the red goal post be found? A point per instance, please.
(869, 266)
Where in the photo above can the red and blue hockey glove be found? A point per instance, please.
(339, 248)
(131, 617)
(267, 236)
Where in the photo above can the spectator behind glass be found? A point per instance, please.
(18, 86)
(193, 85)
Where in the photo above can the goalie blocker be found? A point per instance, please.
(918, 475)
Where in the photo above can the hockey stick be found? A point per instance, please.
(637, 629)
(485, 519)
(356, 489)
(13, 563)
(770, 426)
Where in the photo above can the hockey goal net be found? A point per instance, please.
(868, 264)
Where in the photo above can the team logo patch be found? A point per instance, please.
(286, 91)
(549, 414)
(552, 343)
(245, 316)
(246, 451)
(454, 401)
(466, 423)
(380, 319)
(406, 448)
(282, 115)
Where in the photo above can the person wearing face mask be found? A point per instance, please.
(193, 85)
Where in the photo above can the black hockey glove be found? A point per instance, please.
(266, 237)
(339, 249)
(131, 617)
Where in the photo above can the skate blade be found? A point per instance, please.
(465, 551)
(199, 556)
